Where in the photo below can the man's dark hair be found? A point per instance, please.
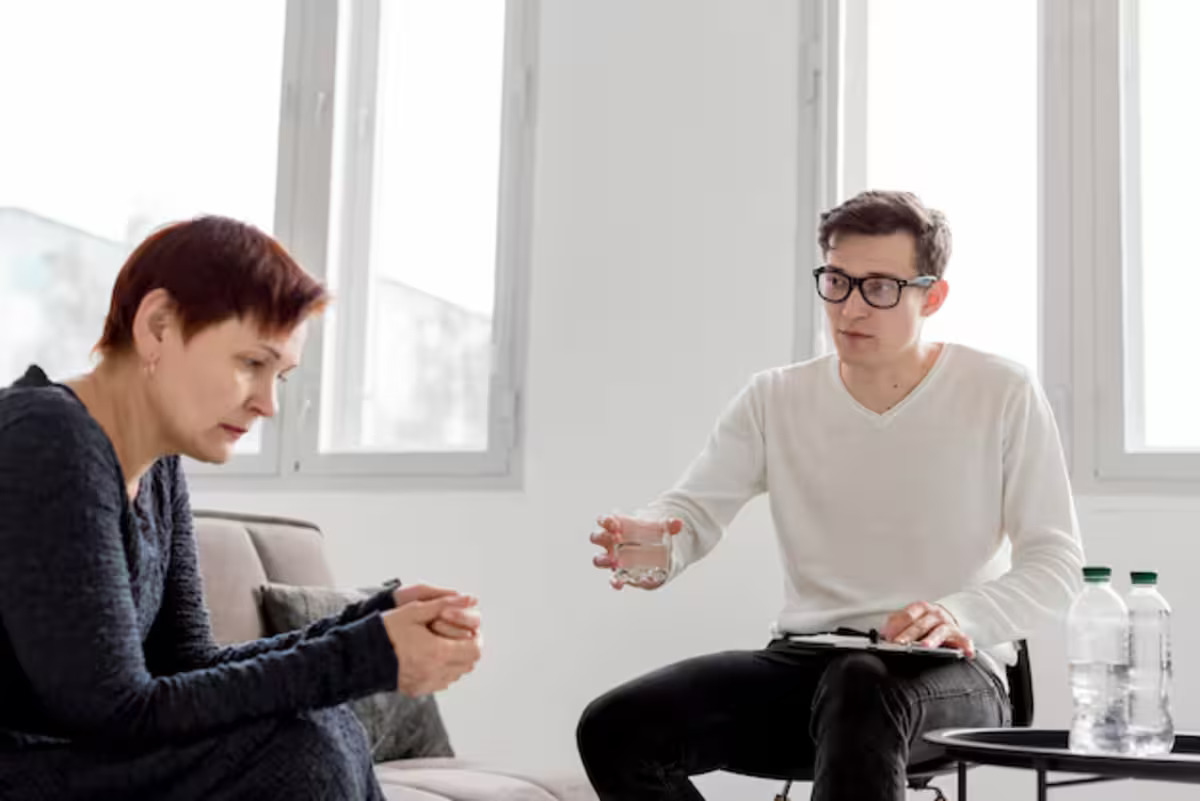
(878, 213)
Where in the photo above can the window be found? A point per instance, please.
(388, 145)
(939, 97)
(94, 158)
(1118, 158)
(1161, 274)
(422, 158)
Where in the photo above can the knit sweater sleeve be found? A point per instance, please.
(66, 600)
(182, 637)
(1039, 519)
(728, 473)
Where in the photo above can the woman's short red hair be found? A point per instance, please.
(214, 268)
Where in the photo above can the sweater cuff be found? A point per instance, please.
(383, 600)
(381, 670)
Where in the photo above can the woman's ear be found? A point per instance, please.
(154, 317)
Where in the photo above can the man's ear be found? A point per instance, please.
(935, 296)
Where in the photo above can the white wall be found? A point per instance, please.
(663, 276)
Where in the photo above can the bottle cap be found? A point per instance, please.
(1095, 574)
(1144, 577)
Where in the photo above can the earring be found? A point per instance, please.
(149, 367)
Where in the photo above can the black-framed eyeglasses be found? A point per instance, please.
(879, 291)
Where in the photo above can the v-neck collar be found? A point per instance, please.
(882, 420)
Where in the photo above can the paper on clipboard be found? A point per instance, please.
(857, 642)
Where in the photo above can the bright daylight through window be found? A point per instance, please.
(128, 132)
(951, 114)
(376, 139)
(1162, 278)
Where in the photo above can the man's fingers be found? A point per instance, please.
(893, 626)
(961, 641)
(604, 560)
(898, 622)
(610, 523)
(938, 636)
(919, 629)
(605, 539)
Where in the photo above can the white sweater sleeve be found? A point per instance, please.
(719, 482)
(1039, 519)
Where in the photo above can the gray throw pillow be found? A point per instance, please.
(398, 727)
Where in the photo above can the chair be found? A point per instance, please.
(922, 774)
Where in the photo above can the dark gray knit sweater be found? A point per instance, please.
(105, 645)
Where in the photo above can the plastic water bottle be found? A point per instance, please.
(1098, 656)
(1151, 730)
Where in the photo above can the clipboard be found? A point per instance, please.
(844, 640)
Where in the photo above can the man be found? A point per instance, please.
(917, 488)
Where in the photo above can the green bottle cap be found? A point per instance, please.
(1144, 577)
(1095, 574)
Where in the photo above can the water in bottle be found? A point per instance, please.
(1151, 730)
(1098, 656)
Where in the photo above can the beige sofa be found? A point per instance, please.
(238, 553)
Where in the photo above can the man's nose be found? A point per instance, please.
(855, 304)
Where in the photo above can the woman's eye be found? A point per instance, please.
(254, 364)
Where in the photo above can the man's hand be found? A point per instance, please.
(458, 619)
(929, 625)
(610, 534)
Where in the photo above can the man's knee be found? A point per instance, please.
(602, 725)
(854, 690)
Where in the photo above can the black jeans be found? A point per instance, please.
(851, 721)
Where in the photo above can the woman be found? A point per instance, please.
(111, 682)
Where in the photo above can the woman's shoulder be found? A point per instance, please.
(36, 413)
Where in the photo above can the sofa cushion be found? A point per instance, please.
(464, 780)
(396, 792)
(398, 727)
(466, 783)
(291, 553)
(232, 571)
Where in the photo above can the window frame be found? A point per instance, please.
(290, 454)
(1092, 373)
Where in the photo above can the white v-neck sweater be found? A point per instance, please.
(957, 495)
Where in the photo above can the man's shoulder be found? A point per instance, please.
(989, 370)
(810, 372)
